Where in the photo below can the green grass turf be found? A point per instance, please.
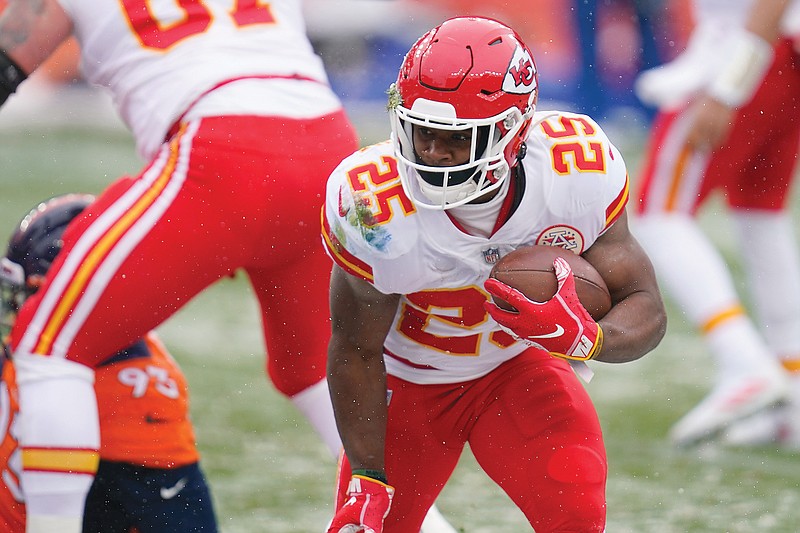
(269, 472)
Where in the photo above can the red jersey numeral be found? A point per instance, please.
(195, 18)
(462, 308)
(247, 12)
(592, 160)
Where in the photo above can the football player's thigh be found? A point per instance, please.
(423, 444)
(190, 509)
(163, 262)
(759, 159)
(762, 178)
(766, 182)
(541, 441)
(290, 274)
(290, 271)
(295, 315)
(162, 500)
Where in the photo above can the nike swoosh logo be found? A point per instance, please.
(167, 493)
(557, 333)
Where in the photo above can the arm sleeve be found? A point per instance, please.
(60, 439)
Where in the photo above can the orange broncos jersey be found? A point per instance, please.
(143, 408)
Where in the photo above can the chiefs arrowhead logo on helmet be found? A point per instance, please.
(521, 76)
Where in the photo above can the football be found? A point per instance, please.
(530, 270)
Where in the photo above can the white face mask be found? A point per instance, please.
(487, 167)
(449, 194)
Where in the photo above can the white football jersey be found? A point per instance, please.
(159, 56)
(575, 187)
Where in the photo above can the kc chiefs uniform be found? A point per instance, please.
(752, 173)
(148, 445)
(453, 373)
(232, 109)
(755, 167)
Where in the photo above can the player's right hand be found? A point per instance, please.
(561, 325)
(368, 503)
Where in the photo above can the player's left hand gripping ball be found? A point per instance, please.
(368, 503)
(561, 325)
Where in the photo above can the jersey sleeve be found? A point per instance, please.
(616, 190)
(365, 219)
(590, 176)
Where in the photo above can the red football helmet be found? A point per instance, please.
(469, 73)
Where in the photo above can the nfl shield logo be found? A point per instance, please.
(492, 255)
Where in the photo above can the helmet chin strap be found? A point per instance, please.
(436, 178)
(523, 151)
(444, 187)
(451, 194)
(467, 191)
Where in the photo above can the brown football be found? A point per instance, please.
(529, 269)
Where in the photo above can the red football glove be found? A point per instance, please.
(368, 503)
(561, 325)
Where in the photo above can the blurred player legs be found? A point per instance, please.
(753, 169)
(749, 378)
(771, 235)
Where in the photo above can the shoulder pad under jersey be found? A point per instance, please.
(367, 213)
(579, 151)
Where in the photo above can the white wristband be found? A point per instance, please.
(741, 74)
(53, 524)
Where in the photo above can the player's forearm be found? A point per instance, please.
(358, 393)
(30, 30)
(632, 328)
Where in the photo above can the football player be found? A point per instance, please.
(232, 110)
(729, 124)
(421, 362)
(149, 476)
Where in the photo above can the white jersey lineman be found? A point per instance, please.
(126, 55)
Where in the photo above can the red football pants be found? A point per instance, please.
(226, 193)
(755, 167)
(530, 425)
